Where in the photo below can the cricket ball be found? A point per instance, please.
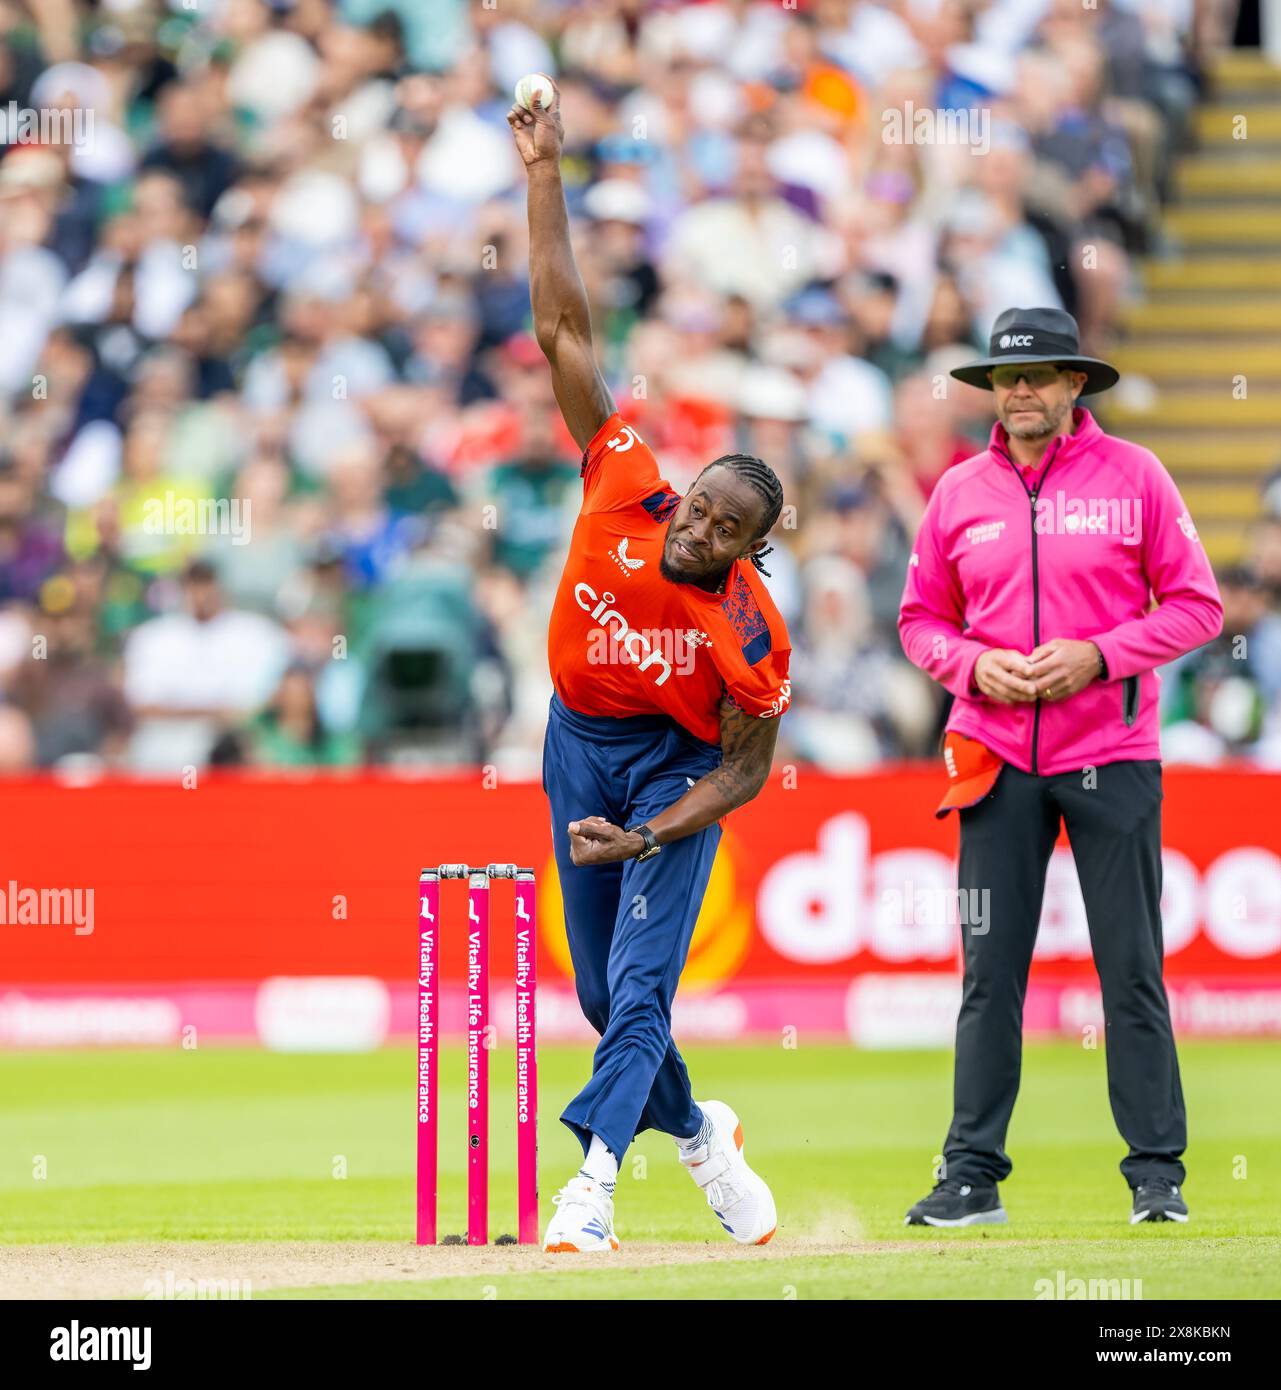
(535, 84)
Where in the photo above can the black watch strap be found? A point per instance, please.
(651, 843)
(1103, 666)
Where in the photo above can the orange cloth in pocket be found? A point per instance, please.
(972, 770)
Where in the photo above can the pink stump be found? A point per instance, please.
(478, 1044)
(428, 1038)
(526, 1061)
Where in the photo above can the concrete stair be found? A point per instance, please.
(1211, 313)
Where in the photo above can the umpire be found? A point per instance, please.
(1052, 573)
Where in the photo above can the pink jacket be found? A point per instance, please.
(997, 563)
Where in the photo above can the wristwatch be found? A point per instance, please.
(651, 844)
(1103, 666)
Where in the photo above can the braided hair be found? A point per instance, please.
(762, 477)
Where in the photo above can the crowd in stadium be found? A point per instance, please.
(284, 272)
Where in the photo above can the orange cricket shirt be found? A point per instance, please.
(623, 640)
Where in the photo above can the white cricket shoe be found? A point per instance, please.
(584, 1220)
(741, 1199)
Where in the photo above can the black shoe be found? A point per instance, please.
(1158, 1199)
(956, 1203)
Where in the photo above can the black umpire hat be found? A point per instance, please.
(1038, 335)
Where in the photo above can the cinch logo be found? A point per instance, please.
(625, 634)
(622, 560)
(986, 531)
(1188, 527)
(1016, 340)
(623, 440)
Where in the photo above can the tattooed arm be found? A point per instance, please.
(747, 752)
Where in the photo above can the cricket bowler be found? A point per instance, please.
(669, 663)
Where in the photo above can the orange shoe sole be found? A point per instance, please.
(738, 1141)
(565, 1248)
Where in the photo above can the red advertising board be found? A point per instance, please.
(826, 890)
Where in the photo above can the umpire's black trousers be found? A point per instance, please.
(1114, 827)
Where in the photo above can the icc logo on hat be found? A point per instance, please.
(1037, 335)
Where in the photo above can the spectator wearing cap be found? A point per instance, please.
(863, 521)
(773, 408)
(845, 393)
(71, 697)
(1052, 574)
(627, 281)
(445, 351)
(500, 290)
(898, 239)
(871, 301)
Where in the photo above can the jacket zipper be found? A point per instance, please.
(1130, 700)
(1032, 495)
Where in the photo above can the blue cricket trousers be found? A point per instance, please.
(629, 925)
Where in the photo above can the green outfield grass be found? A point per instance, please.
(230, 1145)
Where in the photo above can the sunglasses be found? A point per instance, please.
(1036, 374)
